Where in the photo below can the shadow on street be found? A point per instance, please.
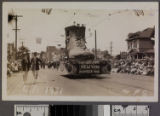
(84, 76)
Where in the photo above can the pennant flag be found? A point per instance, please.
(38, 40)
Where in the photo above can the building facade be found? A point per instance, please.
(141, 44)
(53, 53)
(10, 52)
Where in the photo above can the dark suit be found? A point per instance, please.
(35, 63)
(25, 65)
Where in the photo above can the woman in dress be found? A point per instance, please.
(25, 66)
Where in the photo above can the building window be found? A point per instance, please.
(134, 44)
(129, 45)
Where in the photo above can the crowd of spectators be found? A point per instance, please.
(12, 67)
(16, 66)
(137, 66)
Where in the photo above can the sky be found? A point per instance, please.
(111, 26)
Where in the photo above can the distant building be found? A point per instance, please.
(10, 52)
(62, 53)
(141, 44)
(54, 53)
(50, 52)
(123, 55)
(43, 55)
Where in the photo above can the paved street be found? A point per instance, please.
(56, 83)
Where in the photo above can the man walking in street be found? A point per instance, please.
(35, 63)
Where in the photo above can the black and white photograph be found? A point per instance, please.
(62, 110)
(80, 51)
(130, 110)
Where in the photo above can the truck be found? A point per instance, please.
(79, 59)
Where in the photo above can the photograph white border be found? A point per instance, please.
(79, 5)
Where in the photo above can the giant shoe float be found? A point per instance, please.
(79, 59)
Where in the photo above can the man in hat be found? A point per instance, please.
(35, 63)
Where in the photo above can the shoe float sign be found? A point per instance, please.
(76, 51)
(89, 68)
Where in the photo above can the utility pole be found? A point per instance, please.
(16, 29)
(111, 48)
(22, 43)
(95, 45)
